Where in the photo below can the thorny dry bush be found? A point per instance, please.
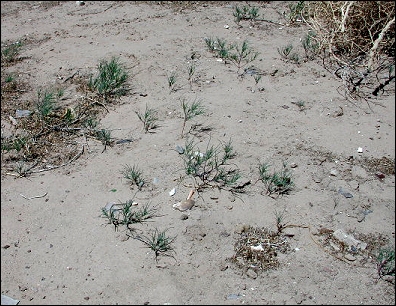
(357, 43)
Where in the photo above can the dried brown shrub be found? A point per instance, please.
(357, 40)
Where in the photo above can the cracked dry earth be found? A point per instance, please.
(57, 249)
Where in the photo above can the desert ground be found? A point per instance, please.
(241, 243)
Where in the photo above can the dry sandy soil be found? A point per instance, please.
(57, 248)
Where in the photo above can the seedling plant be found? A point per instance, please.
(386, 262)
(10, 52)
(111, 79)
(134, 175)
(172, 81)
(244, 55)
(211, 167)
(245, 13)
(159, 242)
(277, 182)
(127, 213)
(190, 111)
(148, 118)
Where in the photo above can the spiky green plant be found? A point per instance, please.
(296, 11)
(278, 182)
(159, 242)
(90, 123)
(10, 53)
(111, 78)
(172, 78)
(22, 169)
(46, 102)
(257, 78)
(15, 143)
(285, 51)
(245, 13)
(310, 45)
(210, 43)
(104, 136)
(211, 166)
(223, 49)
(386, 262)
(127, 213)
(280, 224)
(191, 71)
(9, 78)
(300, 104)
(134, 175)
(190, 111)
(244, 55)
(149, 118)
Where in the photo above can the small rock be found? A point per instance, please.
(345, 193)
(380, 175)
(172, 192)
(183, 217)
(349, 240)
(350, 257)
(223, 266)
(358, 171)
(13, 120)
(360, 150)
(317, 179)
(252, 274)
(293, 165)
(334, 246)
(22, 113)
(179, 149)
(5, 300)
(241, 228)
(233, 296)
(333, 172)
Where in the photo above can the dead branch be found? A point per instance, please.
(377, 42)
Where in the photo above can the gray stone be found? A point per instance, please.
(250, 273)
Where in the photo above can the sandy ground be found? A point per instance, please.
(57, 249)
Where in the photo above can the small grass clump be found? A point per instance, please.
(134, 175)
(211, 167)
(46, 102)
(244, 55)
(286, 53)
(277, 182)
(13, 143)
(245, 13)
(104, 136)
(127, 213)
(149, 118)
(10, 52)
(219, 46)
(190, 111)
(210, 43)
(310, 45)
(159, 242)
(386, 262)
(110, 80)
(223, 49)
(296, 11)
(172, 78)
(300, 104)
